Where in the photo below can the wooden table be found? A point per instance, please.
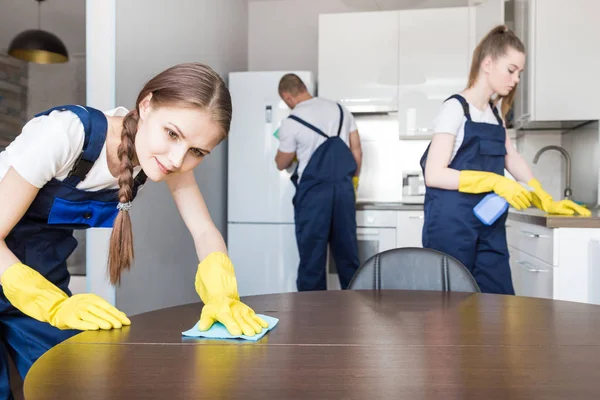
(342, 345)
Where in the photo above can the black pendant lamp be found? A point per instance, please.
(38, 46)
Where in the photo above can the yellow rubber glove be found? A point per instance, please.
(542, 200)
(217, 287)
(34, 295)
(480, 182)
(355, 184)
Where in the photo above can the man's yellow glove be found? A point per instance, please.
(34, 295)
(542, 200)
(481, 182)
(217, 287)
(355, 184)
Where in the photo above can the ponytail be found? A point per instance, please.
(495, 44)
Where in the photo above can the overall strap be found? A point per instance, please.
(495, 110)
(139, 180)
(463, 103)
(309, 126)
(95, 126)
(341, 120)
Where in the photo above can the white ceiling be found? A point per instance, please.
(64, 18)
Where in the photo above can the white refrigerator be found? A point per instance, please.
(260, 216)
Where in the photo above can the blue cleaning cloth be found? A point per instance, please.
(218, 331)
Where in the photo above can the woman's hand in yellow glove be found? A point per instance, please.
(34, 295)
(481, 182)
(217, 287)
(355, 184)
(237, 317)
(542, 200)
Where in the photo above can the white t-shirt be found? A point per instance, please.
(321, 113)
(47, 148)
(451, 119)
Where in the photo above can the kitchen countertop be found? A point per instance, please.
(530, 216)
(538, 217)
(388, 206)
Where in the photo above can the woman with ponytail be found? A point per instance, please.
(75, 167)
(466, 160)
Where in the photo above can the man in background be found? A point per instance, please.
(322, 135)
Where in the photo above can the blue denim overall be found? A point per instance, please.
(325, 212)
(450, 225)
(43, 240)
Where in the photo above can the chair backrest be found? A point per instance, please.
(414, 268)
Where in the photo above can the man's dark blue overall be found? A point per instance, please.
(325, 212)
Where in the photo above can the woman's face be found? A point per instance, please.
(503, 74)
(173, 139)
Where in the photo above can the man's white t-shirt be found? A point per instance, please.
(47, 148)
(321, 113)
(451, 119)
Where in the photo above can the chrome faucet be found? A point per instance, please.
(568, 191)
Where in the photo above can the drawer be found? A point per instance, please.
(410, 229)
(376, 218)
(537, 241)
(531, 276)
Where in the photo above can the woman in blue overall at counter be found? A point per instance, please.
(75, 167)
(466, 160)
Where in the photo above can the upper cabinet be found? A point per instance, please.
(560, 81)
(358, 60)
(434, 55)
(409, 61)
(402, 62)
(487, 14)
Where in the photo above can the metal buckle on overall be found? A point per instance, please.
(81, 167)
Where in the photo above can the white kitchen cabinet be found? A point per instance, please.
(532, 259)
(434, 58)
(409, 229)
(514, 270)
(358, 60)
(538, 241)
(560, 81)
(376, 232)
(531, 276)
(487, 14)
(558, 263)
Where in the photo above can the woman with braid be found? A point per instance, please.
(75, 167)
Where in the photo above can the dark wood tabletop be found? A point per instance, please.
(341, 345)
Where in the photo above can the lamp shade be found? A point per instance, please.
(38, 46)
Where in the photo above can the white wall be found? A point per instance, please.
(151, 35)
(582, 144)
(283, 34)
(64, 18)
(56, 84)
(49, 85)
(550, 169)
(584, 147)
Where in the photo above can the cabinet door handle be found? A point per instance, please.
(533, 235)
(530, 267)
(416, 217)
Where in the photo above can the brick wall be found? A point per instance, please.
(13, 98)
